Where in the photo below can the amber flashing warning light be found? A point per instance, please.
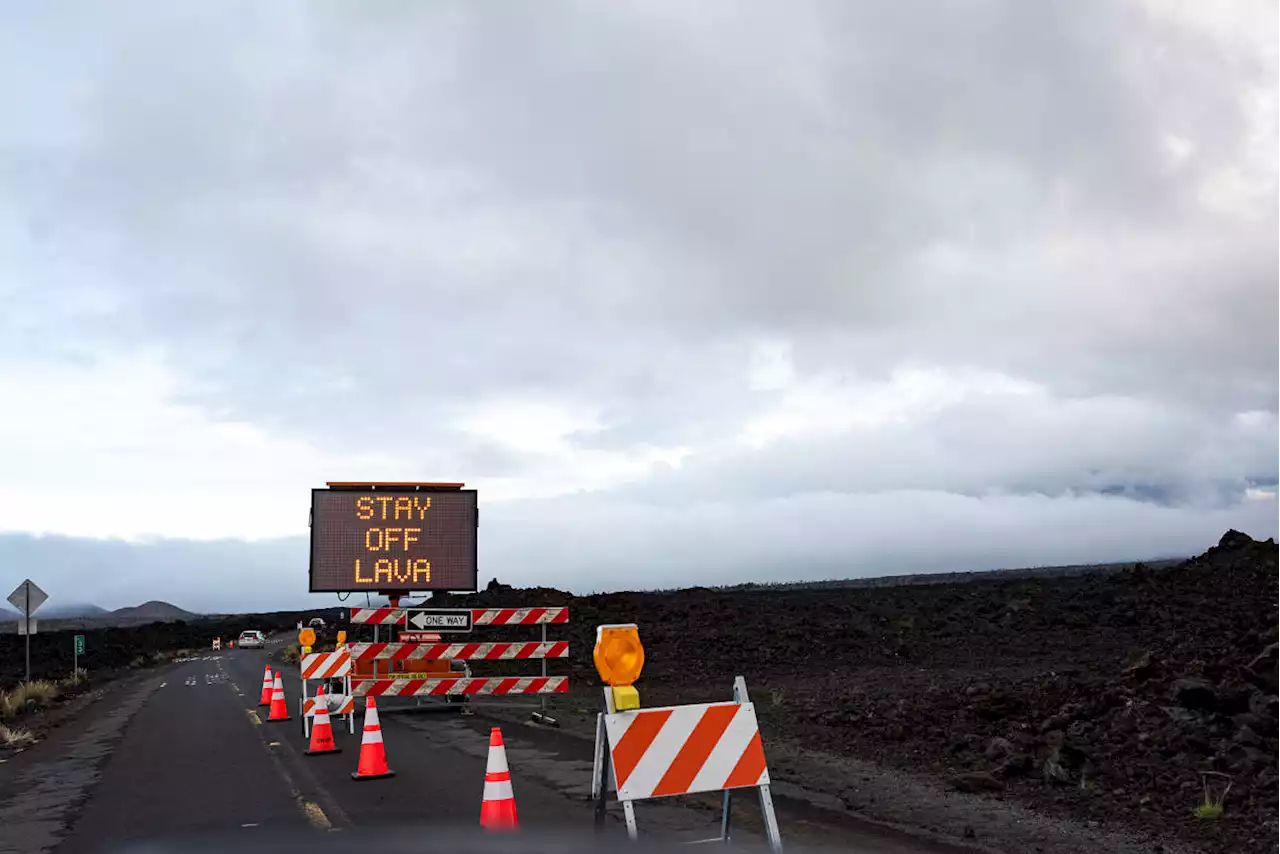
(618, 655)
(619, 658)
(306, 637)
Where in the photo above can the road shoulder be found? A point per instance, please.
(43, 787)
(820, 797)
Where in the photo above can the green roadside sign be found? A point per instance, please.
(79, 644)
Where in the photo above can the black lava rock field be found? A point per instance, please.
(1110, 697)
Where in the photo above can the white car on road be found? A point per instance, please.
(251, 640)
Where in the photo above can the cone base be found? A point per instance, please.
(321, 752)
(499, 816)
(273, 720)
(359, 776)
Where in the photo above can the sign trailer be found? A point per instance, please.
(393, 539)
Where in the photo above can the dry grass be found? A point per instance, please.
(292, 654)
(75, 680)
(15, 737)
(26, 696)
(43, 692)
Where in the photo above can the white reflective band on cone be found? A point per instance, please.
(373, 736)
(497, 762)
(498, 790)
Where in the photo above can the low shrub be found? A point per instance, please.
(27, 696)
(15, 737)
(75, 681)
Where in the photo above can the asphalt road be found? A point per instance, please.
(186, 755)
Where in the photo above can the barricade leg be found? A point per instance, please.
(766, 800)
(770, 820)
(629, 811)
(600, 775)
(597, 757)
(543, 698)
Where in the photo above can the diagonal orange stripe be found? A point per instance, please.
(749, 768)
(695, 750)
(636, 740)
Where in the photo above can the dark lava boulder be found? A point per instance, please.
(1195, 694)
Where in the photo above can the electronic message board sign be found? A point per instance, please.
(393, 539)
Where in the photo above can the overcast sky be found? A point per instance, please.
(691, 292)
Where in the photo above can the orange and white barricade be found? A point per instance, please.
(421, 642)
(681, 750)
(326, 666)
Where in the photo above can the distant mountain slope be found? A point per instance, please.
(58, 611)
(91, 617)
(154, 610)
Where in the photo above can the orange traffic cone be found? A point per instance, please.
(498, 809)
(321, 728)
(279, 708)
(373, 753)
(267, 685)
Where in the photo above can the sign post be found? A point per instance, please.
(79, 651)
(27, 597)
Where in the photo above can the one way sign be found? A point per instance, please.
(439, 619)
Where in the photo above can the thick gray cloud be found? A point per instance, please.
(583, 544)
(683, 257)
